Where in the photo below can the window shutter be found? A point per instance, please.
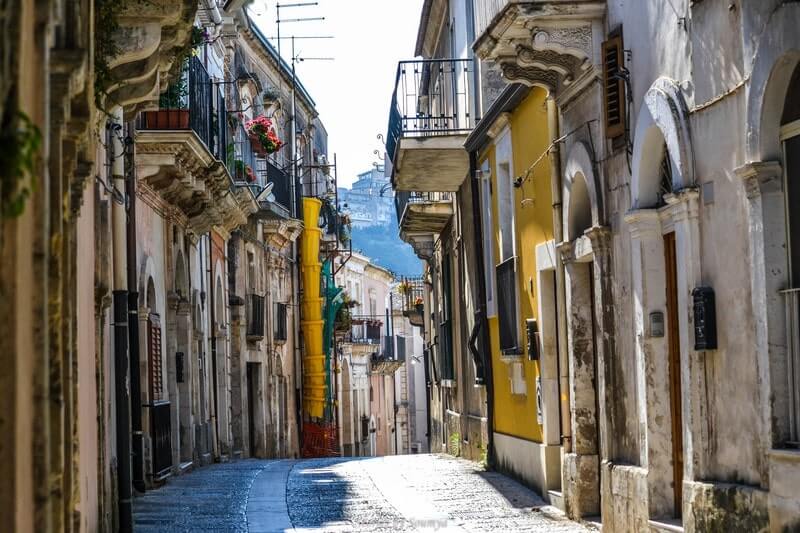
(154, 361)
(614, 86)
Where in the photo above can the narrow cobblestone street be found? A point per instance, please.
(399, 493)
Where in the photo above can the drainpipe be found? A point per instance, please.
(561, 295)
(133, 327)
(120, 325)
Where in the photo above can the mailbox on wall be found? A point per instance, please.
(705, 319)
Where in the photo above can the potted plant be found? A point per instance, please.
(173, 112)
(243, 172)
(262, 136)
(418, 305)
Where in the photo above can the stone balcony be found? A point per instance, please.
(151, 33)
(195, 186)
(554, 44)
(424, 212)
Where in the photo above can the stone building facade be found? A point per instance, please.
(671, 130)
(132, 205)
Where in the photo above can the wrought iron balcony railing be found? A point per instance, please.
(403, 198)
(792, 305)
(431, 97)
(281, 184)
(193, 104)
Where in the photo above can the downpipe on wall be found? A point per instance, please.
(120, 325)
(133, 320)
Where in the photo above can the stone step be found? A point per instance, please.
(556, 499)
(666, 525)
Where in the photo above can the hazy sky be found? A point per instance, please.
(353, 92)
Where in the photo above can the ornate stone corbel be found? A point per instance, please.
(761, 177)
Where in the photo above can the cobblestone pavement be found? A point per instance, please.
(400, 493)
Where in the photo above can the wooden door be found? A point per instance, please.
(673, 345)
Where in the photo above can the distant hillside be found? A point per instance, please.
(383, 245)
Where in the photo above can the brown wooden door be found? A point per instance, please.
(673, 342)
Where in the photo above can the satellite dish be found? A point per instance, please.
(266, 193)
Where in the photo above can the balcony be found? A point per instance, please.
(423, 212)
(412, 292)
(429, 120)
(386, 361)
(181, 152)
(149, 37)
(548, 43)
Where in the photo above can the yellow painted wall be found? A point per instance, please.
(515, 414)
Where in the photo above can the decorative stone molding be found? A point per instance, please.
(663, 120)
(546, 44)
(278, 234)
(178, 167)
(497, 126)
(761, 177)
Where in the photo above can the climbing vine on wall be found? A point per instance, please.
(20, 139)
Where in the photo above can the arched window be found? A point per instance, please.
(790, 140)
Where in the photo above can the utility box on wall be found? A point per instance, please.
(705, 319)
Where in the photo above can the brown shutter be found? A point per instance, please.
(154, 362)
(614, 86)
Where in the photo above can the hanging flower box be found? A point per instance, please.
(262, 136)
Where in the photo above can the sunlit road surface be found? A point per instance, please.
(398, 493)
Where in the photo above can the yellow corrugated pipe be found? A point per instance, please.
(313, 356)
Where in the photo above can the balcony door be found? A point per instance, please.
(790, 137)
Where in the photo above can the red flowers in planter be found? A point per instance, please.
(262, 135)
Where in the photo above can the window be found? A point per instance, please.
(155, 364)
(488, 240)
(507, 310)
(279, 322)
(255, 315)
(790, 135)
(251, 271)
(506, 212)
(614, 86)
(446, 325)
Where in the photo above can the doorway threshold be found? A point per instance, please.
(666, 525)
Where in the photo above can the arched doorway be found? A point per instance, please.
(587, 274)
(664, 233)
